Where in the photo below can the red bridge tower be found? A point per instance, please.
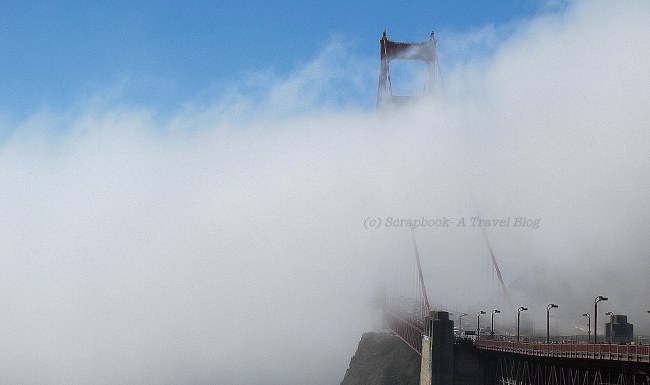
(391, 50)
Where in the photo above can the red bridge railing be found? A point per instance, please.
(610, 352)
(409, 330)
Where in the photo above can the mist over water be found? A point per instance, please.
(225, 244)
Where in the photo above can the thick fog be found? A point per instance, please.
(228, 242)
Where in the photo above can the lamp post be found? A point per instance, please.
(478, 324)
(588, 326)
(492, 328)
(611, 324)
(598, 299)
(521, 308)
(460, 323)
(548, 330)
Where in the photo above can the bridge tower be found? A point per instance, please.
(391, 50)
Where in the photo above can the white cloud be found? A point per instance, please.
(222, 243)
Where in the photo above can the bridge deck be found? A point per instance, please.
(610, 352)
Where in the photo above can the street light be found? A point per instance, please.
(598, 299)
(492, 328)
(460, 323)
(548, 311)
(588, 326)
(611, 324)
(521, 308)
(478, 324)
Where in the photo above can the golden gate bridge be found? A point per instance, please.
(450, 357)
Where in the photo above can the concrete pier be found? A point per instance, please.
(425, 366)
(438, 350)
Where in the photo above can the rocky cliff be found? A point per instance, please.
(383, 359)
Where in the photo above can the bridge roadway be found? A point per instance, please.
(608, 352)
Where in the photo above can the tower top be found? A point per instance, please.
(392, 50)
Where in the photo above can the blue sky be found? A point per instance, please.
(161, 53)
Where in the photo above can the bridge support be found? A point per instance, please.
(425, 366)
(439, 342)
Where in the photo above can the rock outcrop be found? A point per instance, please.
(383, 359)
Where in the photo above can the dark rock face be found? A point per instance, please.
(383, 359)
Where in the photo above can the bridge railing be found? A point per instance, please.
(409, 329)
(567, 339)
(610, 352)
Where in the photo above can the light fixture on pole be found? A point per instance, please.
(588, 326)
(492, 328)
(521, 308)
(478, 324)
(548, 311)
(460, 323)
(598, 299)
